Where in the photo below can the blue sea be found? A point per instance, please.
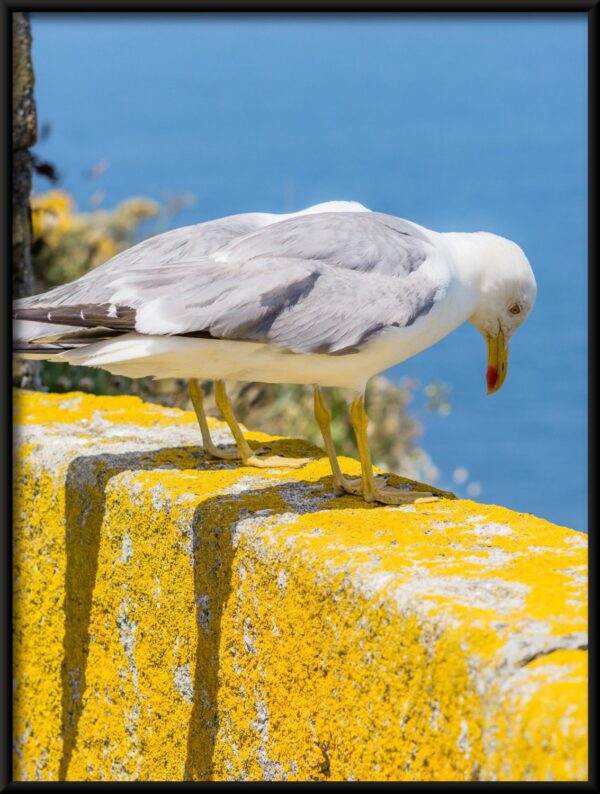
(458, 122)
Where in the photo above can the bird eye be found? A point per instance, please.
(516, 309)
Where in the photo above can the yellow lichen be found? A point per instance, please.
(178, 618)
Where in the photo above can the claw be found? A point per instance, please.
(222, 454)
(395, 496)
(274, 461)
(353, 486)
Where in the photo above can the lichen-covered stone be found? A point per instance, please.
(178, 618)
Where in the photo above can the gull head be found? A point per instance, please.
(506, 294)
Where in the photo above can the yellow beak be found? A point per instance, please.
(497, 362)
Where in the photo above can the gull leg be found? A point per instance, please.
(371, 491)
(197, 398)
(248, 456)
(341, 484)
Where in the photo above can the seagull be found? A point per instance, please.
(328, 296)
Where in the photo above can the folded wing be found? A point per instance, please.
(326, 282)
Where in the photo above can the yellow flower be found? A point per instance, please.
(104, 248)
(52, 210)
(138, 208)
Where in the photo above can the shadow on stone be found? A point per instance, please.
(214, 530)
(85, 489)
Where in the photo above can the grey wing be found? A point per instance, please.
(97, 286)
(345, 311)
(363, 241)
(322, 283)
(301, 306)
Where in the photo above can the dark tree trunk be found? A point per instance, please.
(24, 135)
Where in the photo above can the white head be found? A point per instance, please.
(506, 290)
(507, 287)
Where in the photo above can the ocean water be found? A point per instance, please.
(459, 122)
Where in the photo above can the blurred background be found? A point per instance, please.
(458, 122)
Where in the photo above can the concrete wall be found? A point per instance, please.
(183, 619)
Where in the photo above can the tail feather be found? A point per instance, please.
(37, 350)
(36, 347)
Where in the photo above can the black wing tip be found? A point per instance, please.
(83, 315)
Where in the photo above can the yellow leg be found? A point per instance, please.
(197, 398)
(248, 456)
(371, 491)
(341, 484)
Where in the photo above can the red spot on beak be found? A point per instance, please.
(491, 377)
